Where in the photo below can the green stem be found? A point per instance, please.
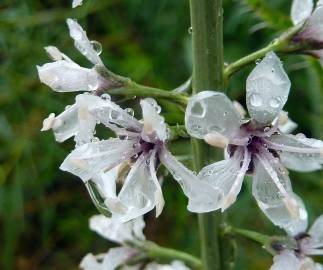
(281, 44)
(164, 255)
(207, 39)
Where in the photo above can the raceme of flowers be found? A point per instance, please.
(303, 11)
(255, 146)
(116, 258)
(303, 245)
(132, 158)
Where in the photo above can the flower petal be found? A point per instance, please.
(267, 89)
(115, 231)
(273, 192)
(140, 192)
(202, 196)
(77, 3)
(314, 28)
(286, 260)
(209, 112)
(110, 112)
(301, 10)
(56, 54)
(316, 232)
(82, 43)
(89, 159)
(175, 265)
(228, 175)
(91, 262)
(66, 76)
(153, 122)
(297, 152)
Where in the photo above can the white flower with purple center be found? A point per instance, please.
(303, 245)
(303, 11)
(255, 146)
(117, 257)
(131, 160)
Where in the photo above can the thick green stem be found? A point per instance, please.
(207, 38)
(282, 44)
(152, 251)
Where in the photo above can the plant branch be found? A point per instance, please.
(161, 254)
(282, 44)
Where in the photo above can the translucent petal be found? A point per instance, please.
(267, 89)
(298, 152)
(227, 176)
(140, 191)
(314, 27)
(91, 262)
(89, 159)
(154, 124)
(112, 113)
(273, 192)
(201, 195)
(65, 125)
(66, 76)
(77, 3)
(82, 43)
(116, 257)
(287, 260)
(56, 54)
(301, 10)
(316, 232)
(115, 231)
(209, 112)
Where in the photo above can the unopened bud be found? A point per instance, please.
(216, 139)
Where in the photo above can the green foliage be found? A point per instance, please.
(43, 211)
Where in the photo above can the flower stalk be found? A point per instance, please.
(152, 251)
(207, 39)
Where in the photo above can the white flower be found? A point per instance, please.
(117, 232)
(306, 244)
(255, 146)
(77, 3)
(132, 160)
(64, 75)
(303, 10)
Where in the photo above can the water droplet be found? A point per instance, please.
(67, 107)
(255, 100)
(190, 30)
(300, 136)
(198, 110)
(96, 46)
(114, 115)
(225, 113)
(258, 61)
(275, 102)
(266, 129)
(95, 139)
(214, 128)
(106, 97)
(130, 111)
(272, 70)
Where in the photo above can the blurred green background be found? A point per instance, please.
(43, 211)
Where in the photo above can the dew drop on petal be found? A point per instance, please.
(96, 46)
(106, 97)
(256, 100)
(275, 102)
(190, 30)
(130, 111)
(198, 110)
(114, 115)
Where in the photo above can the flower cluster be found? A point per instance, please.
(117, 258)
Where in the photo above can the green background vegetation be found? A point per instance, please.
(44, 212)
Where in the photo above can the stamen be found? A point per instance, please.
(216, 139)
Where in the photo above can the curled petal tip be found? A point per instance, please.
(216, 139)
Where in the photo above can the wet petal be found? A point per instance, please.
(110, 112)
(82, 43)
(314, 27)
(55, 54)
(227, 176)
(77, 3)
(115, 231)
(286, 261)
(66, 76)
(90, 159)
(273, 192)
(209, 112)
(301, 10)
(140, 192)
(202, 196)
(267, 89)
(298, 152)
(153, 122)
(316, 232)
